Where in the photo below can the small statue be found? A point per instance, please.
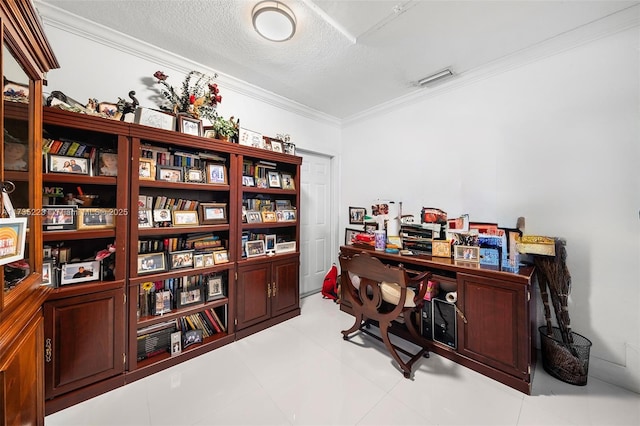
(125, 107)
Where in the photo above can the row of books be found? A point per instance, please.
(162, 202)
(208, 321)
(169, 157)
(260, 204)
(68, 148)
(257, 169)
(172, 244)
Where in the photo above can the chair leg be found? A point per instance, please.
(416, 336)
(384, 333)
(355, 327)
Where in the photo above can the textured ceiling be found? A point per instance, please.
(346, 56)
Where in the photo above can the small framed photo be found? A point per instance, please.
(269, 216)
(13, 231)
(59, 218)
(147, 169)
(181, 259)
(213, 213)
(62, 164)
(48, 273)
(46, 252)
(95, 218)
(190, 126)
(286, 247)
(176, 343)
(15, 156)
(276, 146)
(72, 273)
(350, 235)
(163, 302)
(193, 174)
(191, 337)
(466, 253)
(107, 163)
(109, 109)
(441, 248)
(216, 173)
(287, 215)
(283, 204)
(169, 173)
(255, 248)
(356, 215)
(254, 216)
(287, 181)
(162, 217)
(289, 148)
(208, 259)
(489, 256)
(209, 133)
(151, 262)
(248, 181)
(184, 217)
(220, 256)
(274, 179)
(189, 296)
(198, 260)
(270, 243)
(370, 227)
(145, 219)
(214, 288)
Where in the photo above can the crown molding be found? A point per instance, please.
(81, 27)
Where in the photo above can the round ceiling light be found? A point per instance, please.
(274, 21)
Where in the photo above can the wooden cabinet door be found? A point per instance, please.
(86, 337)
(253, 300)
(496, 332)
(285, 297)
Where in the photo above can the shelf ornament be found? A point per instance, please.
(199, 97)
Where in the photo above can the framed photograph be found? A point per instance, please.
(283, 204)
(147, 169)
(441, 248)
(191, 337)
(287, 181)
(193, 174)
(209, 132)
(213, 213)
(214, 288)
(489, 256)
(274, 179)
(145, 219)
(189, 296)
(255, 248)
(95, 218)
(162, 217)
(107, 163)
(47, 273)
(15, 156)
(466, 253)
(289, 148)
(62, 164)
(59, 218)
(288, 215)
(198, 261)
(220, 256)
(276, 146)
(72, 273)
(248, 181)
(356, 215)
(254, 216)
(169, 173)
(269, 216)
(270, 243)
(208, 259)
(162, 302)
(46, 252)
(181, 259)
(216, 173)
(190, 126)
(250, 138)
(13, 231)
(370, 227)
(151, 262)
(286, 247)
(184, 217)
(350, 235)
(176, 343)
(267, 144)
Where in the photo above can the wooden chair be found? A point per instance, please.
(383, 293)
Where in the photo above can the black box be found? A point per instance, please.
(444, 323)
(427, 320)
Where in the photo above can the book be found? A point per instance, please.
(215, 315)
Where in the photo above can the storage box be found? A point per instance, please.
(155, 118)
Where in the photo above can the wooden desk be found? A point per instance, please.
(498, 338)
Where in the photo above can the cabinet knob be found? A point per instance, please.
(268, 290)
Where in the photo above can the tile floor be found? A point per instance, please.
(301, 372)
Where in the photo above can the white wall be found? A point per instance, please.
(555, 141)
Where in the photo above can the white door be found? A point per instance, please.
(316, 221)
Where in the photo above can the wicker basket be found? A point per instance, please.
(568, 362)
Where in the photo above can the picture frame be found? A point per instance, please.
(109, 109)
(489, 256)
(198, 260)
(220, 256)
(79, 272)
(107, 163)
(254, 216)
(68, 165)
(169, 173)
(283, 204)
(145, 218)
(16, 156)
(276, 146)
(274, 179)
(149, 263)
(287, 181)
(184, 217)
(289, 148)
(154, 118)
(269, 216)
(267, 144)
(349, 235)
(189, 126)
(288, 215)
(248, 181)
(59, 218)
(48, 272)
(162, 302)
(189, 296)
(215, 289)
(181, 259)
(250, 138)
(13, 231)
(441, 248)
(191, 337)
(286, 247)
(217, 174)
(356, 215)
(466, 253)
(176, 343)
(270, 243)
(162, 217)
(95, 218)
(209, 133)
(255, 248)
(194, 175)
(212, 213)
(208, 259)
(147, 169)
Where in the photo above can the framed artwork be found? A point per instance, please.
(213, 213)
(466, 253)
(276, 146)
(162, 302)
(151, 262)
(350, 235)
(107, 163)
(169, 173)
(209, 133)
(184, 217)
(286, 247)
(254, 216)
(162, 217)
(145, 219)
(220, 256)
(194, 175)
(441, 248)
(255, 248)
(289, 148)
(109, 109)
(356, 215)
(59, 218)
(248, 181)
(370, 227)
(287, 181)
(288, 215)
(176, 343)
(269, 216)
(216, 173)
(214, 287)
(190, 126)
(47, 273)
(62, 164)
(146, 169)
(273, 179)
(13, 233)
(267, 144)
(72, 273)
(181, 259)
(250, 138)
(198, 261)
(270, 243)
(208, 259)
(95, 218)
(190, 296)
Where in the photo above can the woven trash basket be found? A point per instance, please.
(568, 362)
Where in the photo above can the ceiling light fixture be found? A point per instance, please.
(274, 21)
(435, 77)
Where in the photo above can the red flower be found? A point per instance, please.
(192, 99)
(218, 98)
(160, 75)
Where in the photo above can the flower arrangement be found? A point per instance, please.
(199, 98)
